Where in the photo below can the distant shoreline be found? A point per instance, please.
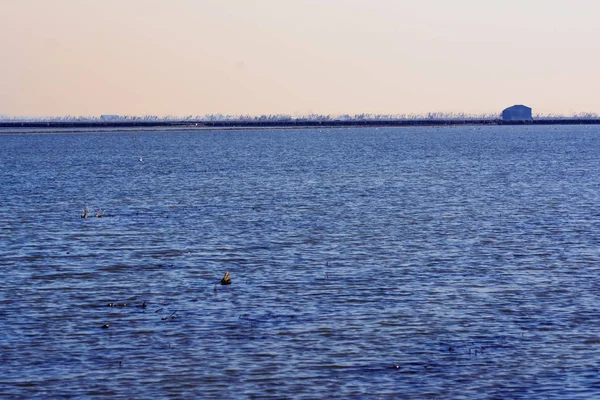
(14, 127)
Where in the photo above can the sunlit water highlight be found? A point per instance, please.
(383, 263)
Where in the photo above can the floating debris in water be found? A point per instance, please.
(226, 279)
(172, 316)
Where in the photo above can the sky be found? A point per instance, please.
(297, 57)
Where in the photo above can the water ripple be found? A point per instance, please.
(412, 263)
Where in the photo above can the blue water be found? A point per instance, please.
(441, 263)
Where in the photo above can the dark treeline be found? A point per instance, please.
(288, 124)
(287, 121)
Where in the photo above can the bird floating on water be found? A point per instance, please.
(226, 279)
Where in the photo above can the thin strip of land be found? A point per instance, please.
(11, 126)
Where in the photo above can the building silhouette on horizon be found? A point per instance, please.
(517, 112)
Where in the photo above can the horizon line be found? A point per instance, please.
(289, 117)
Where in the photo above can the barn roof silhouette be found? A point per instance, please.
(518, 112)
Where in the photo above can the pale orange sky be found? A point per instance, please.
(196, 57)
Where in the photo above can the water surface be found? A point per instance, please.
(417, 263)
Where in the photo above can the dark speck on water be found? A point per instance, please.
(448, 263)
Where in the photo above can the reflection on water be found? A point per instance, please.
(415, 263)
